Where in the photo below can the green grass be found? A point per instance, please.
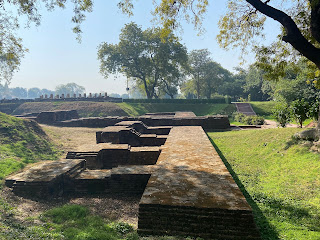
(72, 222)
(264, 109)
(76, 222)
(136, 109)
(22, 142)
(279, 178)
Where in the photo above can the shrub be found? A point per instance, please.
(299, 111)
(250, 120)
(314, 111)
(281, 113)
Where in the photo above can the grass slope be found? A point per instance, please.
(85, 109)
(136, 109)
(264, 108)
(22, 142)
(280, 180)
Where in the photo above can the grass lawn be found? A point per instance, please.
(279, 179)
(136, 109)
(264, 109)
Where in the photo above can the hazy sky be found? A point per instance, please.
(55, 57)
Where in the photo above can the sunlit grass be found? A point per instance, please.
(136, 109)
(279, 177)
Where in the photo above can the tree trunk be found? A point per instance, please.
(149, 96)
(318, 124)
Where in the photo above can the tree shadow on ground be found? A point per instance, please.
(267, 231)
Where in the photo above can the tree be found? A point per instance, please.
(255, 85)
(214, 77)
(146, 57)
(233, 85)
(11, 48)
(294, 85)
(34, 92)
(198, 61)
(281, 113)
(299, 110)
(19, 92)
(69, 88)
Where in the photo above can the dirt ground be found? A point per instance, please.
(274, 124)
(113, 207)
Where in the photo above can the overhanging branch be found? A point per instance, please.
(293, 34)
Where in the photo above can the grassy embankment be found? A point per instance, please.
(280, 180)
(22, 142)
(99, 109)
(136, 109)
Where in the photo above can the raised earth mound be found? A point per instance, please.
(85, 109)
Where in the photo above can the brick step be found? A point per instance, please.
(187, 233)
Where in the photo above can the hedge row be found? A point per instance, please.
(180, 101)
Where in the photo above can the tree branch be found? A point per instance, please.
(294, 35)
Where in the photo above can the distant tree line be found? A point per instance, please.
(31, 93)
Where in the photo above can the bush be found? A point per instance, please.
(250, 120)
(299, 111)
(314, 111)
(281, 113)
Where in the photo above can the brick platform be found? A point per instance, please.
(154, 119)
(193, 194)
(46, 179)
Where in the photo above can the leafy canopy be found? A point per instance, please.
(148, 59)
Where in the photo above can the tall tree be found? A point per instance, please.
(145, 57)
(214, 77)
(34, 92)
(198, 61)
(71, 88)
(256, 86)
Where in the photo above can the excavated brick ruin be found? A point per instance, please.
(186, 188)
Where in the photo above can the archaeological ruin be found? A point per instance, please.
(167, 158)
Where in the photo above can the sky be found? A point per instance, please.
(55, 56)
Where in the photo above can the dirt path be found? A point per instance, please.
(274, 124)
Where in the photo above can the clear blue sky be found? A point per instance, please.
(55, 57)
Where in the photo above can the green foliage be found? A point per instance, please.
(314, 111)
(69, 88)
(152, 62)
(282, 114)
(206, 75)
(249, 120)
(299, 110)
(277, 178)
(295, 84)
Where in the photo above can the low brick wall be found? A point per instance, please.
(56, 116)
(207, 122)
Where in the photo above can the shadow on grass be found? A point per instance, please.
(267, 231)
(292, 211)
